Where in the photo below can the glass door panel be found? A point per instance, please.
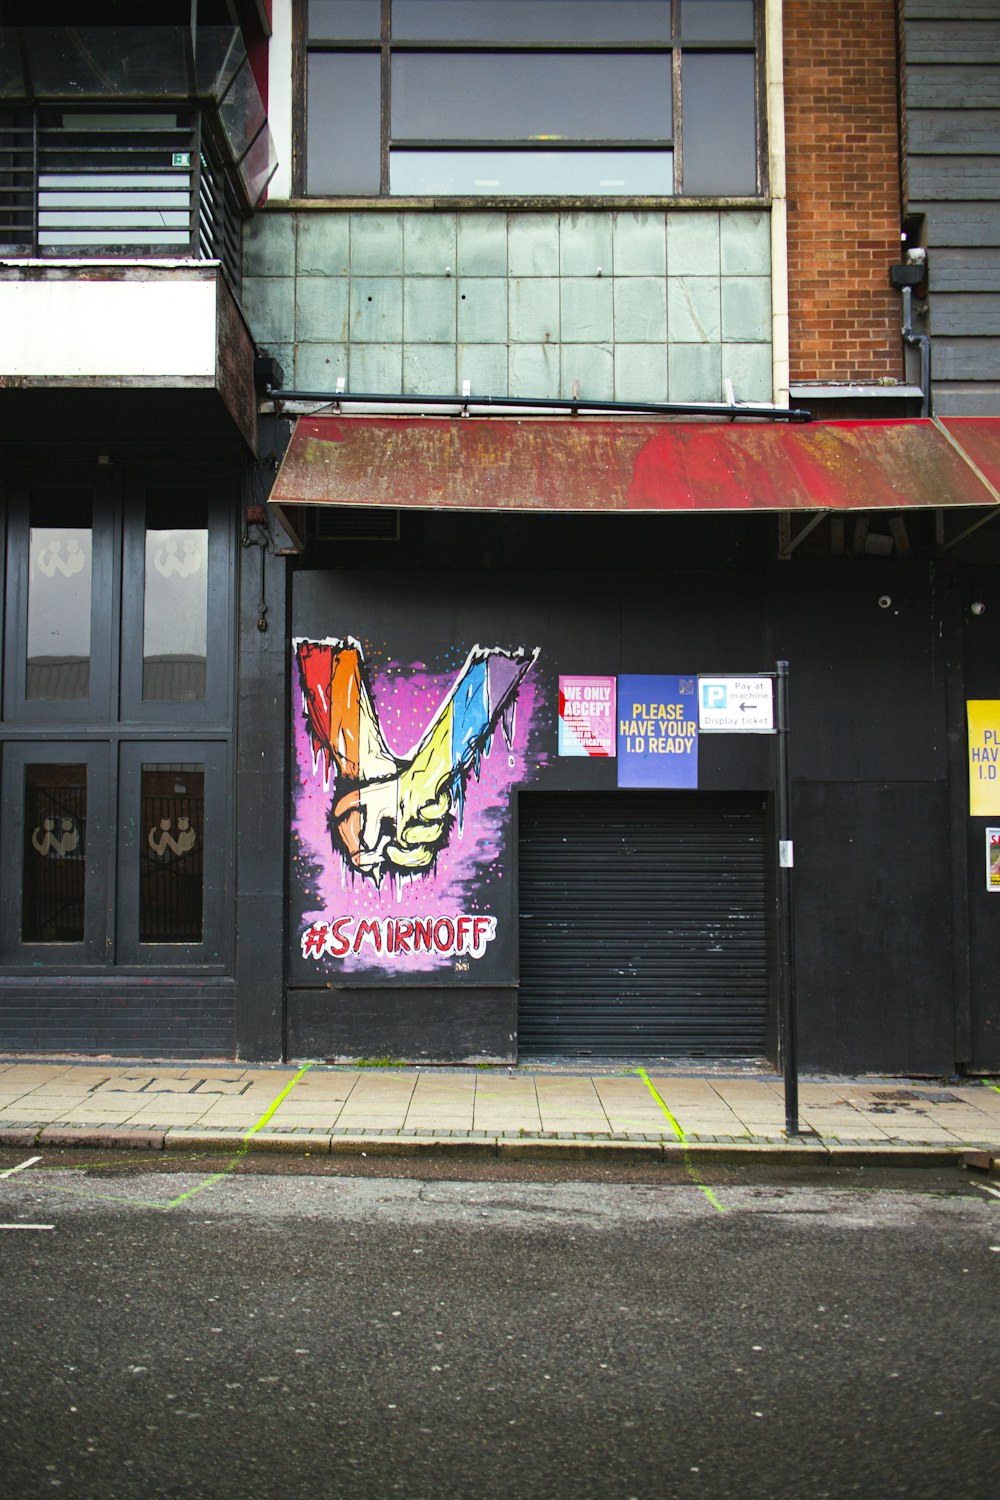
(60, 598)
(175, 605)
(176, 602)
(175, 882)
(171, 859)
(60, 605)
(54, 854)
(54, 869)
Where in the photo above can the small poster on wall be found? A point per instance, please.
(658, 731)
(587, 716)
(993, 859)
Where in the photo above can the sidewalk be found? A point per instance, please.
(489, 1111)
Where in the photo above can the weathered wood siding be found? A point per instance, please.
(952, 102)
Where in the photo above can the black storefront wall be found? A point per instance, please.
(144, 965)
(874, 811)
(974, 615)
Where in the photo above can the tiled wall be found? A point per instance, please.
(634, 306)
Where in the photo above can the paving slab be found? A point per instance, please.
(545, 1112)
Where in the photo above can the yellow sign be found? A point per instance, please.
(984, 756)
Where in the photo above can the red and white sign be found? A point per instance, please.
(587, 716)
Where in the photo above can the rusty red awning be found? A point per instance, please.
(590, 466)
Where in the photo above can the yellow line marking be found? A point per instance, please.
(208, 1181)
(688, 1165)
(245, 1147)
(678, 1132)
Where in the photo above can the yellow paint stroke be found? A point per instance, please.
(245, 1147)
(201, 1186)
(688, 1164)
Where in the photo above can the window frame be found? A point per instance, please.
(303, 48)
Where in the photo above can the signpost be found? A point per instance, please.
(759, 705)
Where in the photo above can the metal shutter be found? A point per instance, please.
(643, 924)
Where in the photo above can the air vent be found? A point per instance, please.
(361, 523)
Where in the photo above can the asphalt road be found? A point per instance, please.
(364, 1336)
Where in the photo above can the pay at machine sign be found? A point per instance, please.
(734, 705)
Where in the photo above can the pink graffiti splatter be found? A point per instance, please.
(468, 867)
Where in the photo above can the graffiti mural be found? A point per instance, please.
(402, 801)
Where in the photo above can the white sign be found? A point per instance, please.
(736, 705)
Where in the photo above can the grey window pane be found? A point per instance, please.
(533, 96)
(171, 871)
(54, 869)
(717, 98)
(242, 112)
(531, 20)
(124, 62)
(344, 20)
(532, 173)
(59, 599)
(717, 20)
(344, 120)
(175, 603)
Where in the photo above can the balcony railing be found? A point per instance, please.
(124, 183)
(145, 141)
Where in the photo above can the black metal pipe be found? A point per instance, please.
(922, 342)
(786, 928)
(620, 408)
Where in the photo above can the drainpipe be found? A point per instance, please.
(906, 278)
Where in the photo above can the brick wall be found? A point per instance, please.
(842, 140)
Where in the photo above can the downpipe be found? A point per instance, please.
(919, 341)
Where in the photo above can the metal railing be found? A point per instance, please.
(95, 180)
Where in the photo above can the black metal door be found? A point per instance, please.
(643, 924)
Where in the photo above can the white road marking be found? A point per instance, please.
(20, 1166)
(27, 1226)
(986, 1189)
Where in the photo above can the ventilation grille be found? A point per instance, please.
(347, 523)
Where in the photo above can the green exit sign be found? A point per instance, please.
(181, 159)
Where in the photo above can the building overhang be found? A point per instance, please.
(593, 467)
(113, 325)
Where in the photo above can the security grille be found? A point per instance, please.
(643, 924)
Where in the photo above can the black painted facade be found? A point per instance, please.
(896, 939)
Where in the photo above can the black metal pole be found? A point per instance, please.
(786, 930)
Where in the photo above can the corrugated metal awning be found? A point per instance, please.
(591, 466)
(979, 440)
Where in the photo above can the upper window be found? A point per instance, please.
(530, 98)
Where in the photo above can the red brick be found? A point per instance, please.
(842, 147)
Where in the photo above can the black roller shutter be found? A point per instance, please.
(643, 924)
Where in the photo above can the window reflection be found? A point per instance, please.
(533, 174)
(171, 881)
(527, 21)
(175, 603)
(530, 96)
(344, 104)
(720, 148)
(54, 862)
(60, 578)
(717, 20)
